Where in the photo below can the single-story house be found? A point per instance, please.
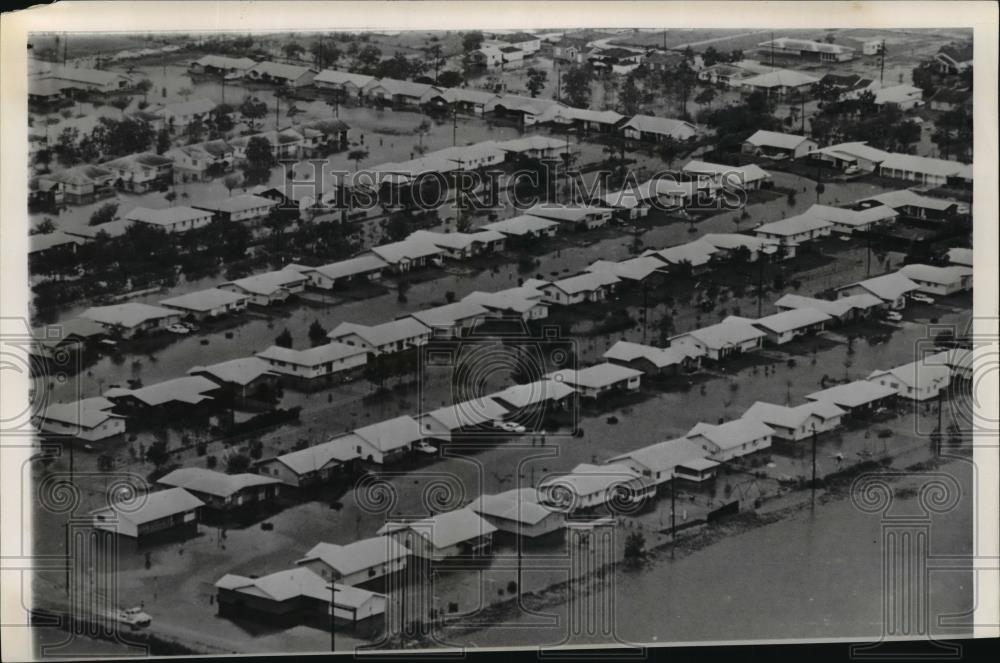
(731, 439)
(78, 185)
(846, 221)
(904, 97)
(652, 360)
(182, 113)
(950, 99)
(583, 119)
(960, 257)
(891, 288)
(386, 441)
(523, 303)
(589, 487)
(846, 309)
(220, 491)
(697, 255)
(525, 225)
(472, 157)
(773, 144)
(918, 380)
(385, 338)
(242, 377)
(463, 100)
(244, 208)
(855, 397)
(399, 93)
(171, 219)
(940, 281)
(519, 512)
(634, 270)
(657, 129)
(454, 534)
(316, 367)
(407, 254)
(320, 137)
(289, 75)
(679, 458)
(210, 303)
(526, 110)
(788, 325)
(42, 246)
(466, 416)
(807, 49)
(536, 147)
(270, 287)
(89, 419)
(202, 159)
(586, 287)
(916, 206)
(859, 155)
(171, 512)
(167, 397)
(348, 84)
(221, 65)
(367, 267)
(954, 58)
(545, 393)
(463, 245)
(581, 217)
(799, 422)
(140, 173)
(795, 229)
(717, 342)
(132, 318)
(358, 562)
(310, 466)
(726, 244)
(598, 380)
(452, 320)
(926, 171)
(749, 177)
(779, 82)
(84, 79)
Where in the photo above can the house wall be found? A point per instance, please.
(373, 572)
(917, 393)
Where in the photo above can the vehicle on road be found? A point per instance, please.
(425, 448)
(893, 316)
(509, 426)
(922, 298)
(178, 328)
(136, 618)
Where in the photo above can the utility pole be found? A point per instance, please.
(333, 615)
(645, 311)
(760, 284)
(814, 466)
(881, 73)
(664, 40)
(868, 258)
(673, 513)
(772, 51)
(940, 400)
(277, 105)
(454, 126)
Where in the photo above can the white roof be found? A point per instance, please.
(569, 114)
(344, 268)
(314, 458)
(780, 78)
(960, 256)
(86, 413)
(449, 315)
(586, 282)
(729, 332)
(520, 300)
(240, 203)
(280, 70)
(889, 287)
(519, 505)
(635, 269)
(730, 241)
(410, 248)
(859, 150)
(663, 126)
(918, 374)
(697, 253)
(793, 225)
(587, 479)
(391, 434)
(320, 354)
(166, 216)
(387, 332)
(152, 506)
(457, 240)
(529, 143)
(292, 583)
(335, 77)
(733, 174)
(852, 394)
(357, 556)
(472, 412)
(445, 529)
(731, 433)
(574, 213)
(240, 371)
(777, 139)
(897, 94)
(791, 320)
(464, 94)
(270, 282)
(835, 307)
(201, 480)
(191, 390)
(521, 225)
(934, 274)
(204, 300)
(532, 393)
(405, 88)
(791, 417)
(225, 62)
(594, 377)
(851, 217)
(667, 455)
(926, 165)
(659, 357)
(906, 198)
(128, 315)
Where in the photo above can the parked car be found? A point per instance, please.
(894, 316)
(509, 426)
(851, 170)
(423, 447)
(922, 298)
(134, 617)
(178, 328)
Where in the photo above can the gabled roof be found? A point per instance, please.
(321, 354)
(46, 241)
(515, 102)
(897, 94)
(594, 377)
(659, 357)
(519, 300)
(663, 126)
(806, 45)
(240, 203)
(358, 555)
(225, 62)
(519, 505)
(382, 334)
(733, 174)
(473, 412)
(200, 480)
(888, 287)
(791, 320)
(86, 413)
(852, 394)
(166, 216)
(791, 417)
(697, 253)
(270, 282)
(574, 213)
(128, 315)
(918, 374)
(934, 274)
(334, 77)
(190, 390)
(362, 264)
(410, 248)
(457, 240)
(635, 269)
(858, 150)
(725, 334)
(391, 434)
(404, 88)
(777, 139)
(667, 455)
(449, 315)
(960, 256)
(730, 241)
(834, 307)
(793, 225)
(82, 75)
(153, 506)
(534, 142)
(540, 391)
(204, 300)
(587, 479)
(731, 434)
(241, 371)
(908, 198)
(279, 70)
(466, 95)
(445, 529)
(294, 583)
(851, 217)
(924, 165)
(586, 282)
(312, 459)
(780, 78)
(570, 114)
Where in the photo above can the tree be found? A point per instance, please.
(325, 54)
(435, 57)
(185, 92)
(711, 56)
(705, 97)
(162, 140)
(293, 50)
(143, 87)
(357, 156)
(195, 131)
(630, 97)
(635, 545)
(157, 453)
(67, 148)
(104, 214)
(259, 160)
(536, 81)
(238, 463)
(253, 109)
(284, 339)
(317, 334)
(44, 227)
(472, 40)
(668, 150)
(231, 181)
(368, 59)
(396, 227)
(576, 85)
(450, 78)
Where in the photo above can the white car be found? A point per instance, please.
(922, 298)
(178, 328)
(894, 316)
(423, 447)
(851, 170)
(134, 617)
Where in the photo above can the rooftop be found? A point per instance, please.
(210, 482)
(152, 506)
(518, 505)
(663, 126)
(594, 377)
(391, 434)
(191, 390)
(540, 391)
(127, 315)
(852, 394)
(667, 455)
(240, 371)
(786, 321)
(445, 529)
(659, 357)
(357, 556)
(388, 332)
(793, 225)
(733, 433)
(312, 357)
(204, 300)
(474, 412)
(777, 139)
(725, 334)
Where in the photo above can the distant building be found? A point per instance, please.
(807, 49)
(519, 512)
(774, 143)
(954, 58)
(317, 367)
